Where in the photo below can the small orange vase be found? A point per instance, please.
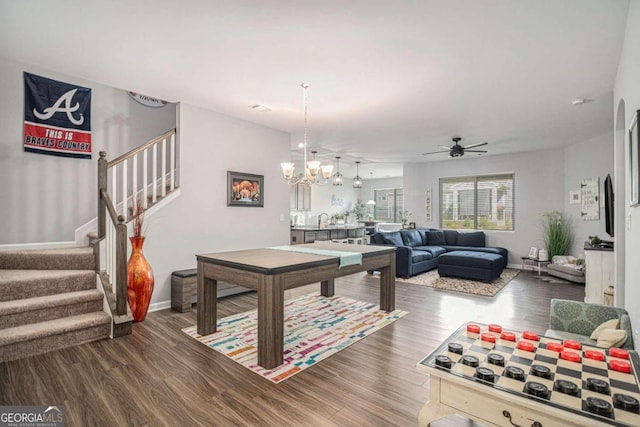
(139, 280)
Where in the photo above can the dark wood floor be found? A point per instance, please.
(160, 377)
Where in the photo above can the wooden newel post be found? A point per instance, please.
(102, 186)
(121, 266)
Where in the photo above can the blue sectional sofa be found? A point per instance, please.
(418, 250)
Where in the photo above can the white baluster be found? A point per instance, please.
(114, 186)
(144, 179)
(134, 183)
(154, 174)
(172, 162)
(164, 167)
(124, 191)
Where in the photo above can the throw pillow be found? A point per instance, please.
(473, 239)
(609, 324)
(435, 238)
(392, 238)
(612, 338)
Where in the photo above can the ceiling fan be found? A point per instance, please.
(457, 150)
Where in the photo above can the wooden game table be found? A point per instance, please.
(502, 401)
(270, 272)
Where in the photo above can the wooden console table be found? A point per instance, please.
(270, 272)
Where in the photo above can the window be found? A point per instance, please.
(389, 203)
(477, 202)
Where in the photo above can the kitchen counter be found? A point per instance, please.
(343, 233)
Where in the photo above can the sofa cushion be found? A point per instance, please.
(423, 234)
(392, 238)
(450, 238)
(411, 238)
(435, 238)
(475, 239)
(418, 256)
(435, 250)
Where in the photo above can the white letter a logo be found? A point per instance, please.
(66, 98)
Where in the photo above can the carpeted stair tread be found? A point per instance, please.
(20, 284)
(49, 301)
(79, 258)
(49, 328)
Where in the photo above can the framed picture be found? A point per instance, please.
(634, 162)
(412, 225)
(533, 253)
(245, 189)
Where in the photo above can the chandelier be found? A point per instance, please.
(357, 181)
(337, 177)
(314, 173)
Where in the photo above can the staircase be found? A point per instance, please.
(49, 300)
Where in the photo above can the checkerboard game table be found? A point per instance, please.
(506, 377)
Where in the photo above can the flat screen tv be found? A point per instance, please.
(608, 205)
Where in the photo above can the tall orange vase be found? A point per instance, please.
(139, 280)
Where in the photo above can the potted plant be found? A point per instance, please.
(557, 233)
(404, 217)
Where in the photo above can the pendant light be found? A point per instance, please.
(337, 177)
(357, 181)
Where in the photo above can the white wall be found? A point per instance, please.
(199, 221)
(539, 188)
(331, 200)
(589, 159)
(45, 198)
(627, 89)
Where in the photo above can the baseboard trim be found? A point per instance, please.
(162, 305)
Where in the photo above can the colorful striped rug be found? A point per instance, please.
(315, 327)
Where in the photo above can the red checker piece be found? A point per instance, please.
(571, 356)
(530, 335)
(495, 328)
(620, 366)
(525, 346)
(508, 336)
(473, 328)
(594, 355)
(488, 337)
(618, 352)
(575, 345)
(555, 346)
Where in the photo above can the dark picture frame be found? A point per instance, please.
(412, 225)
(245, 189)
(634, 162)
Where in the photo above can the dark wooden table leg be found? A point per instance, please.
(388, 285)
(207, 300)
(327, 288)
(270, 321)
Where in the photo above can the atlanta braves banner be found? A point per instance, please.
(57, 118)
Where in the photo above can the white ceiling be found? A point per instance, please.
(389, 79)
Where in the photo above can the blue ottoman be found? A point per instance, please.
(471, 265)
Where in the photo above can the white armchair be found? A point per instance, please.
(388, 226)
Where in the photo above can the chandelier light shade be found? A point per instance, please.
(314, 172)
(337, 177)
(357, 181)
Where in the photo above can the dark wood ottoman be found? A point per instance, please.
(471, 265)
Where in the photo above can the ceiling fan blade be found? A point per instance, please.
(475, 151)
(445, 147)
(475, 145)
(436, 152)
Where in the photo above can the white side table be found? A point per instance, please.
(533, 264)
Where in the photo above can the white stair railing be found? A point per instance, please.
(122, 184)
